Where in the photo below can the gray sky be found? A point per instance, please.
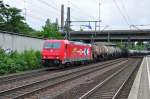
(118, 15)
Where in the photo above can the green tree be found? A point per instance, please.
(12, 21)
(140, 45)
(50, 30)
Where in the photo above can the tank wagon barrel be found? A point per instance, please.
(102, 52)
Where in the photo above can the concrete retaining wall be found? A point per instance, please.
(12, 41)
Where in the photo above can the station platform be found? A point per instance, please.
(141, 85)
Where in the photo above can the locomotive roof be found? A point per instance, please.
(55, 40)
(105, 43)
(67, 42)
(76, 42)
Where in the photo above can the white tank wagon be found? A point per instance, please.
(118, 51)
(111, 51)
(99, 52)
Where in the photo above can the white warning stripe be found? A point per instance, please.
(148, 71)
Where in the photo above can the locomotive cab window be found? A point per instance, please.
(54, 45)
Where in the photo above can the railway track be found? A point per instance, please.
(21, 76)
(111, 87)
(30, 74)
(124, 90)
(37, 86)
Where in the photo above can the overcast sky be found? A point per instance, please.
(117, 14)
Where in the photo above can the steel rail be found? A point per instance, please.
(90, 92)
(123, 84)
(10, 91)
(19, 76)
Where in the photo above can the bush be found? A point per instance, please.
(15, 62)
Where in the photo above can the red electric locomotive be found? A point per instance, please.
(61, 52)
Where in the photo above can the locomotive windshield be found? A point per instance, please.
(52, 45)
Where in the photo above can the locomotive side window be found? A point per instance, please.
(52, 45)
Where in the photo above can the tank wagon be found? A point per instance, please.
(103, 51)
(64, 52)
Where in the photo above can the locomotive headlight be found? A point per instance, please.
(57, 57)
(44, 56)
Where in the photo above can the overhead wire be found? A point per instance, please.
(143, 25)
(134, 26)
(48, 4)
(77, 11)
(76, 7)
(36, 14)
(122, 14)
(55, 8)
(128, 17)
(36, 17)
(38, 11)
(125, 11)
(125, 15)
(54, 3)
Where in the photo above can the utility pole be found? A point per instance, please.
(99, 14)
(129, 39)
(108, 38)
(95, 28)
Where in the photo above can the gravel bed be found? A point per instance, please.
(61, 89)
(42, 77)
(110, 88)
(123, 94)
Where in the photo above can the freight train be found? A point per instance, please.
(138, 52)
(65, 52)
